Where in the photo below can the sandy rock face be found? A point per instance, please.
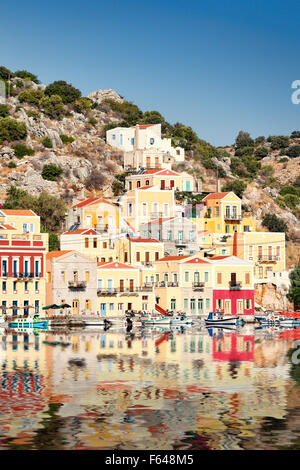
(101, 95)
(271, 297)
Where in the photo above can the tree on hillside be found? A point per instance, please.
(237, 186)
(152, 117)
(243, 139)
(5, 73)
(66, 91)
(27, 75)
(294, 290)
(274, 223)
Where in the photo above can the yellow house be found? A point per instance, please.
(91, 243)
(163, 179)
(22, 220)
(96, 213)
(119, 289)
(146, 203)
(185, 284)
(224, 214)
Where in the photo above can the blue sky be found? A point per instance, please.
(220, 66)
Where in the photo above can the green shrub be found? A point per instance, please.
(293, 151)
(274, 223)
(237, 186)
(288, 190)
(66, 91)
(51, 209)
(259, 140)
(5, 73)
(47, 142)
(244, 151)
(4, 110)
(83, 105)
(11, 130)
(261, 152)
(266, 170)
(11, 164)
(32, 113)
(51, 172)
(291, 200)
(31, 96)
(283, 160)
(295, 135)
(278, 141)
(27, 75)
(93, 121)
(21, 150)
(117, 187)
(294, 290)
(243, 139)
(54, 243)
(152, 117)
(53, 106)
(66, 139)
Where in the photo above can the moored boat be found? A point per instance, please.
(28, 322)
(219, 319)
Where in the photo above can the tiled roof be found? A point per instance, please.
(150, 172)
(215, 196)
(93, 200)
(86, 231)
(173, 258)
(145, 187)
(115, 265)
(159, 221)
(18, 212)
(6, 227)
(196, 261)
(143, 126)
(57, 253)
(143, 240)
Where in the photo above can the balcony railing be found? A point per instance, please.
(235, 285)
(232, 217)
(167, 284)
(198, 286)
(77, 284)
(123, 290)
(268, 258)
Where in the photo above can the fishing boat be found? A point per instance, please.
(219, 319)
(30, 322)
(181, 320)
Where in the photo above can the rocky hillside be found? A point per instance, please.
(52, 139)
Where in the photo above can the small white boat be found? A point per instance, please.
(180, 320)
(219, 319)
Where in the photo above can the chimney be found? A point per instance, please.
(137, 137)
(234, 250)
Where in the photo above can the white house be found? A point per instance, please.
(143, 137)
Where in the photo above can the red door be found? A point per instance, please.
(172, 183)
(162, 184)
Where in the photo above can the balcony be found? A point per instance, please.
(268, 258)
(77, 284)
(156, 215)
(101, 227)
(235, 217)
(234, 285)
(118, 290)
(198, 286)
(166, 284)
(147, 264)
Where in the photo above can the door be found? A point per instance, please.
(156, 162)
(131, 285)
(147, 256)
(148, 162)
(227, 307)
(103, 310)
(110, 285)
(200, 306)
(121, 285)
(75, 306)
(162, 184)
(173, 305)
(239, 305)
(196, 278)
(233, 279)
(172, 183)
(187, 186)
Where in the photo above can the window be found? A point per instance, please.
(207, 302)
(31, 228)
(36, 268)
(4, 286)
(156, 255)
(88, 304)
(63, 276)
(169, 235)
(186, 276)
(114, 136)
(278, 253)
(192, 236)
(227, 212)
(227, 228)
(151, 140)
(250, 251)
(166, 277)
(130, 208)
(185, 303)
(104, 245)
(234, 228)
(138, 184)
(15, 286)
(180, 235)
(166, 209)
(36, 286)
(217, 211)
(206, 276)
(147, 182)
(25, 228)
(144, 209)
(175, 277)
(95, 243)
(193, 305)
(121, 139)
(48, 277)
(132, 140)
(247, 278)
(224, 251)
(87, 276)
(111, 307)
(247, 304)
(219, 278)
(26, 286)
(138, 256)
(126, 257)
(246, 228)
(4, 267)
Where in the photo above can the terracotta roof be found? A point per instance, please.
(21, 212)
(87, 231)
(93, 200)
(130, 226)
(143, 126)
(115, 265)
(7, 227)
(215, 196)
(145, 187)
(57, 253)
(143, 240)
(196, 261)
(173, 258)
(219, 257)
(158, 221)
(150, 172)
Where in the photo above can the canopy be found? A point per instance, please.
(51, 306)
(65, 306)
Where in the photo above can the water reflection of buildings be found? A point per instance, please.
(146, 388)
